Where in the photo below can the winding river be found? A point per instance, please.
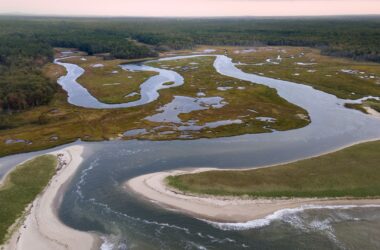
(96, 201)
(80, 96)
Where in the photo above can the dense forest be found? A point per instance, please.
(21, 83)
(26, 42)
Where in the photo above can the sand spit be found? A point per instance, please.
(152, 187)
(41, 228)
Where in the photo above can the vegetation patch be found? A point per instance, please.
(356, 106)
(21, 187)
(351, 172)
(371, 103)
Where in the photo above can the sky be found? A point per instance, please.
(191, 7)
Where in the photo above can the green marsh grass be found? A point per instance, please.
(351, 172)
(21, 187)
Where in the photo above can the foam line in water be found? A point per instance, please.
(278, 215)
(106, 244)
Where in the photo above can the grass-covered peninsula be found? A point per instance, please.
(21, 187)
(351, 172)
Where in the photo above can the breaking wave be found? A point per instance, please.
(286, 216)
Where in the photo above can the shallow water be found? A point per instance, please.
(96, 200)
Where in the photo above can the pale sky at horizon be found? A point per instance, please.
(191, 7)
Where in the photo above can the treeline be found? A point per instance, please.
(352, 37)
(26, 42)
(22, 84)
(98, 41)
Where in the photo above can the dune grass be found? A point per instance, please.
(351, 172)
(21, 187)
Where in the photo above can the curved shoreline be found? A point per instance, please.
(152, 187)
(41, 228)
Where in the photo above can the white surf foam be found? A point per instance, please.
(279, 215)
(106, 245)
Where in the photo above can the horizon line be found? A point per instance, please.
(7, 14)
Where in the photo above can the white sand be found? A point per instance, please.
(41, 228)
(373, 112)
(220, 209)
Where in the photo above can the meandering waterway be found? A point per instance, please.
(96, 200)
(80, 96)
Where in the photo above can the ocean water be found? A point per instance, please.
(96, 201)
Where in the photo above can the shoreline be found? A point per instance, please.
(152, 188)
(372, 112)
(40, 228)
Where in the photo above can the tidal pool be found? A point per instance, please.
(184, 104)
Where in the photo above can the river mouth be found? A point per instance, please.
(96, 201)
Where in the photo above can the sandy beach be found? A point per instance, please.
(372, 112)
(152, 187)
(42, 229)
